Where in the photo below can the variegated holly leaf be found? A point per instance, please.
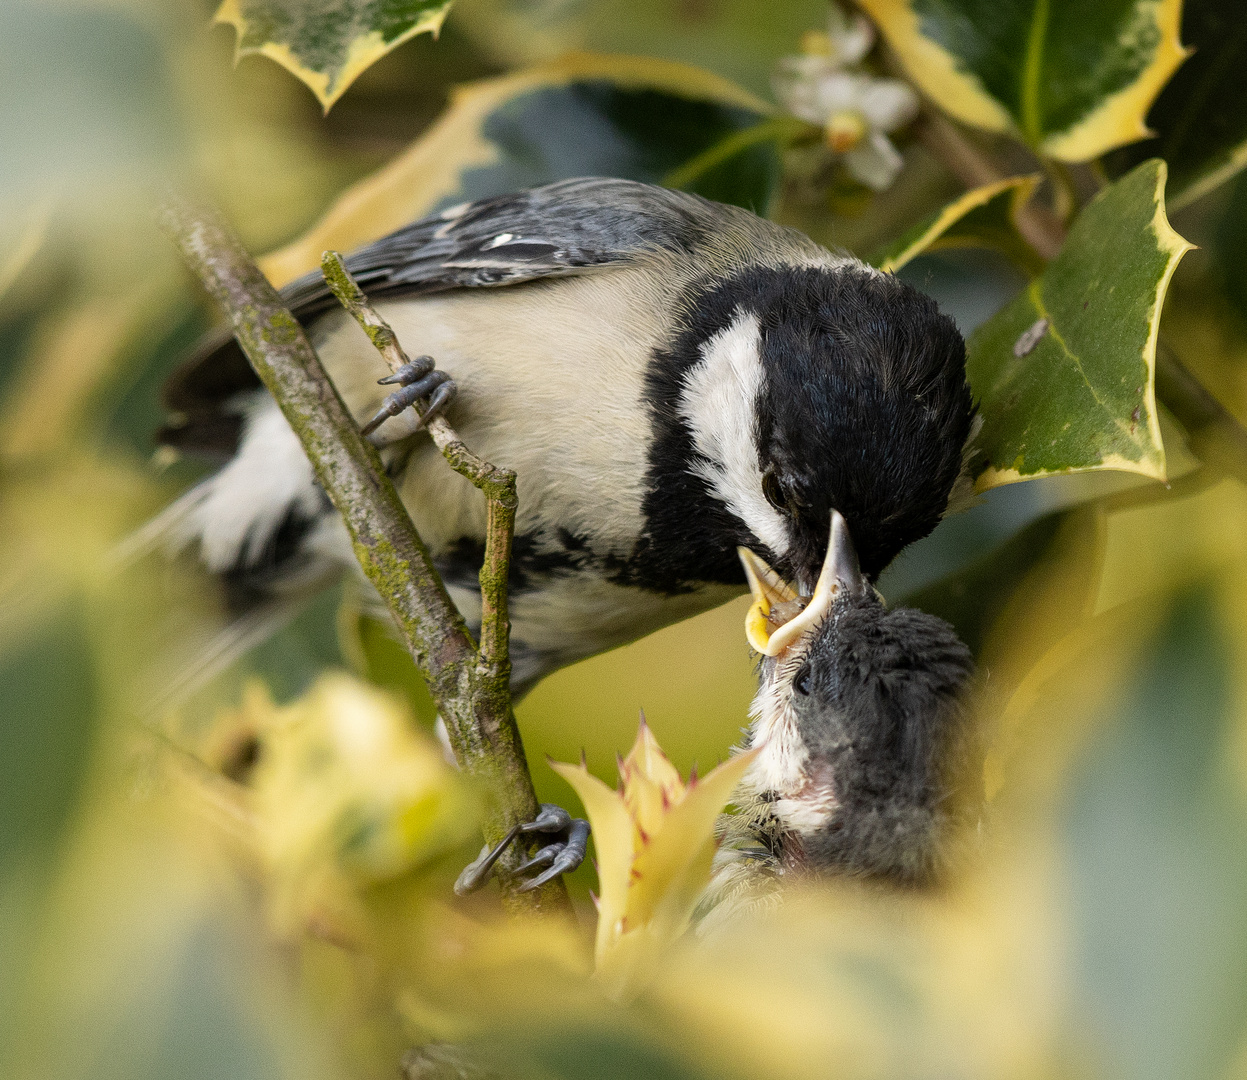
(1064, 373)
(582, 115)
(328, 43)
(1200, 118)
(1072, 79)
(984, 217)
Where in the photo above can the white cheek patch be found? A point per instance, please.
(719, 403)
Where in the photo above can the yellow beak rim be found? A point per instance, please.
(769, 635)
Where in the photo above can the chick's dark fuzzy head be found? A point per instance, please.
(865, 410)
(879, 705)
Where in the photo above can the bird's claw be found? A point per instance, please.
(551, 818)
(562, 857)
(565, 852)
(417, 380)
(409, 373)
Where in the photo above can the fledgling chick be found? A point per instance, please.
(867, 752)
(668, 377)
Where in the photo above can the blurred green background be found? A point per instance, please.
(130, 944)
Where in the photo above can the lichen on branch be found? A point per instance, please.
(469, 685)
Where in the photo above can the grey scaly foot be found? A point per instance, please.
(569, 838)
(418, 380)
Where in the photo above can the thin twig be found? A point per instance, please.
(473, 701)
(497, 485)
(1064, 190)
(782, 130)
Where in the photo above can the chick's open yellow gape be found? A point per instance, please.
(779, 615)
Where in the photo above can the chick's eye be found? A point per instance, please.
(774, 491)
(801, 684)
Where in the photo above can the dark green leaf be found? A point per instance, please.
(1071, 79)
(584, 115)
(1200, 118)
(1064, 374)
(635, 132)
(328, 43)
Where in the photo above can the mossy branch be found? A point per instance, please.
(497, 485)
(470, 686)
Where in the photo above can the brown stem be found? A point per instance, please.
(476, 708)
(1039, 226)
(1064, 191)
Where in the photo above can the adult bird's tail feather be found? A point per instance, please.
(227, 645)
(264, 613)
(168, 531)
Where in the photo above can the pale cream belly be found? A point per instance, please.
(559, 402)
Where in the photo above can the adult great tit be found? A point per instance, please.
(670, 378)
(867, 758)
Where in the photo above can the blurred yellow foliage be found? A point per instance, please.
(343, 792)
(431, 169)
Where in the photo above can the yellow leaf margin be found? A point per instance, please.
(429, 170)
(1174, 245)
(1233, 164)
(362, 54)
(934, 69)
(1023, 187)
(1118, 120)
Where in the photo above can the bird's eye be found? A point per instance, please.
(774, 491)
(801, 684)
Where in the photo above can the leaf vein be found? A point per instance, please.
(1032, 119)
(1036, 296)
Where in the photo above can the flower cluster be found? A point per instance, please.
(855, 109)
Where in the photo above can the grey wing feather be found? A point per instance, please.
(562, 228)
(568, 227)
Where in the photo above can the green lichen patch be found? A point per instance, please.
(1200, 119)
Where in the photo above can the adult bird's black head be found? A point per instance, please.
(866, 751)
(851, 387)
